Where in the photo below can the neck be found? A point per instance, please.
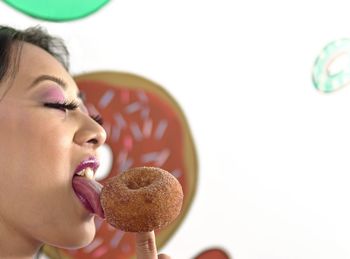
(15, 243)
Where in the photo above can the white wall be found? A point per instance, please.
(273, 151)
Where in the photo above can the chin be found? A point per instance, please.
(78, 237)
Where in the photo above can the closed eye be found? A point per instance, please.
(72, 106)
(63, 106)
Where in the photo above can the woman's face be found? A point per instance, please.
(41, 147)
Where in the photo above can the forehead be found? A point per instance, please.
(34, 62)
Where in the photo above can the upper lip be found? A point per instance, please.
(91, 162)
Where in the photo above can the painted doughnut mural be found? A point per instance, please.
(145, 126)
(213, 253)
(57, 10)
(331, 70)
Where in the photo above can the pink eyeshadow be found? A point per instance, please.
(53, 94)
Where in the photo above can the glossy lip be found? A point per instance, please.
(91, 162)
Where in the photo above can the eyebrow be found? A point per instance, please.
(41, 78)
(57, 80)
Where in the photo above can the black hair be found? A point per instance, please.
(11, 41)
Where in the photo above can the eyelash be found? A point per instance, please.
(98, 118)
(72, 106)
(63, 106)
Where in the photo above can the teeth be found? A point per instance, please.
(81, 173)
(87, 172)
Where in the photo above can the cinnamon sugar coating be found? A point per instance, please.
(141, 199)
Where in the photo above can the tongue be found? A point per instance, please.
(88, 191)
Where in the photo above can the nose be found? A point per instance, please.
(90, 133)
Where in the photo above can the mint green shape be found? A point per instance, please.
(57, 10)
(322, 79)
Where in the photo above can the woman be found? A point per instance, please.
(46, 133)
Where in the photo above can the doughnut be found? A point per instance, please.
(142, 120)
(141, 199)
(331, 69)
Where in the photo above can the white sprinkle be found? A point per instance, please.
(162, 157)
(120, 120)
(106, 99)
(116, 238)
(159, 158)
(98, 223)
(122, 156)
(177, 173)
(136, 131)
(147, 128)
(142, 96)
(149, 157)
(110, 228)
(133, 107)
(93, 245)
(116, 133)
(163, 124)
(126, 165)
(145, 113)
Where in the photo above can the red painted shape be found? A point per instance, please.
(214, 253)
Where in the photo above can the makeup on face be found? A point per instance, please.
(53, 94)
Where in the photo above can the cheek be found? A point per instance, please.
(34, 142)
(34, 161)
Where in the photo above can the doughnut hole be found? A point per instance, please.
(139, 183)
